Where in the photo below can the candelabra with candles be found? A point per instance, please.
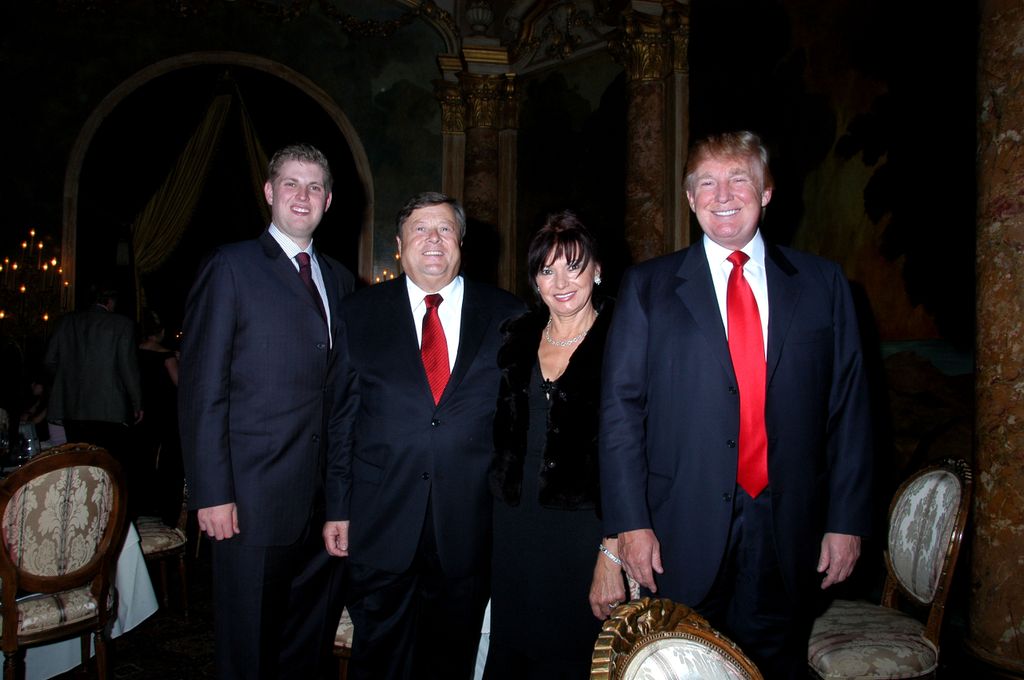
(32, 290)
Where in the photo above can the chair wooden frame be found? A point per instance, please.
(98, 573)
(635, 623)
(893, 589)
(894, 592)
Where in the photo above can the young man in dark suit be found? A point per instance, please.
(407, 492)
(735, 441)
(259, 349)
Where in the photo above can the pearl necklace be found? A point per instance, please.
(568, 342)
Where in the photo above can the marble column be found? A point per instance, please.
(453, 137)
(654, 120)
(996, 617)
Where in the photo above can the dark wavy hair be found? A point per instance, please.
(563, 236)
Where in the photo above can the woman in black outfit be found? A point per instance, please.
(163, 480)
(551, 587)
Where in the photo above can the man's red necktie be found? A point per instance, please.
(746, 346)
(434, 348)
(306, 274)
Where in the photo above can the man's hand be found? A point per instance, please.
(219, 521)
(641, 556)
(839, 553)
(336, 538)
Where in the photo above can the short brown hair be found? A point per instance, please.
(304, 153)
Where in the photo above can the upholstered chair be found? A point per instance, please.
(658, 639)
(857, 639)
(161, 545)
(63, 521)
(343, 644)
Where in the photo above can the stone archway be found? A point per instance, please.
(89, 129)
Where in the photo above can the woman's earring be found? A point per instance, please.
(597, 280)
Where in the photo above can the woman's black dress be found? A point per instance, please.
(543, 564)
(162, 483)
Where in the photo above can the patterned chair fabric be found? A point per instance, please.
(921, 527)
(156, 537)
(54, 523)
(656, 639)
(677, 656)
(856, 639)
(62, 522)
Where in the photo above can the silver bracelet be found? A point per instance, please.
(609, 554)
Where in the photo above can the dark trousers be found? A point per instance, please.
(749, 602)
(276, 608)
(419, 624)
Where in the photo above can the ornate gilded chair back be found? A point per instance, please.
(657, 639)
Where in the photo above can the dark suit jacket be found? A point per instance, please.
(670, 416)
(392, 449)
(253, 387)
(92, 357)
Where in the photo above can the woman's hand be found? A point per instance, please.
(606, 589)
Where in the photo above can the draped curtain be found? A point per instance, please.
(158, 229)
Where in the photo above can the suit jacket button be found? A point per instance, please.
(320, 345)
(425, 476)
(731, 443)
(726, 497)
(316, 437)
(732, 389)
(435, 422)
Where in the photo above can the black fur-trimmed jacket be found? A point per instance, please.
(569, 474)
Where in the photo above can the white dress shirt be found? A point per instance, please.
(449, 312)
(753, 272)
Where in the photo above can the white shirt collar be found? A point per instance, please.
(452, 291)
(717, 254)
(287, 245)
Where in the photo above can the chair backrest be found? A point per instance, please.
(657, 639)
(926, 525)
(63, 522)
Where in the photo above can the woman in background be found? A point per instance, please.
(163, 480)
(551, 585)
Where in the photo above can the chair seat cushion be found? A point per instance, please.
(42, 612)
(155, 536)
(343, 637)
(863, 640)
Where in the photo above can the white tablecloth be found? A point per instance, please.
(136, 602)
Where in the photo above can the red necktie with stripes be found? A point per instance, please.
(746, 347)
(434, 348)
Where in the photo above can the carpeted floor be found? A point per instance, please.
(171, 646)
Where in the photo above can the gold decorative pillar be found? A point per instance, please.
(453, 137)
(656, 128)
(490, 183)
(996, 619)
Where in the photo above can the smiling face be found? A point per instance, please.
(566, 287)
(727, 195)
(298, 199)
(430, 247)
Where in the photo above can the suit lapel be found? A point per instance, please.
(476, 319)
(332, 286)
(783, 296)
(697, 293)
(408, 360)
(285, 272)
